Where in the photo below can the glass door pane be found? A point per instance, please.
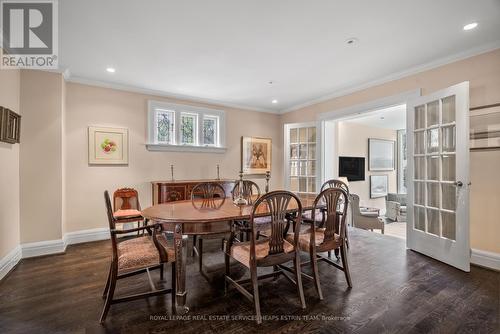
(434, 146)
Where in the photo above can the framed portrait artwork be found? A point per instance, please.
(108, 146)
(378, 186)
(380, 154)
(10, 126)
(256, 155)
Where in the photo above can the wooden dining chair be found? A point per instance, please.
(212, 195)
(136, 256)
(273, 250)
(327, 235)
(126, 207)
(250, 191)
(320, 215)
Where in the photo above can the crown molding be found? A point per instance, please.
(399, 75)
(147, 91)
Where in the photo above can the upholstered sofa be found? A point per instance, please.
(395, 205)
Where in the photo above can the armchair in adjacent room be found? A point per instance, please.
(396, 207)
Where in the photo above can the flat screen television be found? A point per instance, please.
(352, 167)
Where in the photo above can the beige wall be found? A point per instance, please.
(89, 105)
(41, 156)
(353, 142)
(9, 168)
(483, 73)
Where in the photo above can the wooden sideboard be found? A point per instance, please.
(171, 191)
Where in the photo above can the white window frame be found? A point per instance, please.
(155, 128)
(217, 133)
(178, 109)
(195, 129)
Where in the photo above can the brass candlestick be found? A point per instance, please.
(218, 175)
(240, 200)
(172, 172)
(268, 177)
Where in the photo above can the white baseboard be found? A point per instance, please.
(485, 259)
(9, 261)
(77, 237)
(43, 248)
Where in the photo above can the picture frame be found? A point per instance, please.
(10, 126)
(379, 185)
(256, 155)
(381, 154)
(485, 128)
(108, 146)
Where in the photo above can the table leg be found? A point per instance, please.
(180, 259)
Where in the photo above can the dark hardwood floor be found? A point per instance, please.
(394, 291)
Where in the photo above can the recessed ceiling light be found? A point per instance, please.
(111, 70)
(470, 26)
(382, 118)
(274, 101)
(351, 41)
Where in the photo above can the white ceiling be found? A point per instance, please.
(393, 118)
(229, 50)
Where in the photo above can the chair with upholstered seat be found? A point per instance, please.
(207, 195)
(126, 206)
(326, 235)
(250, 192)
(366, 220)
(136, 256)
(269, 251)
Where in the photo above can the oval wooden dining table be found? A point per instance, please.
(194, 217)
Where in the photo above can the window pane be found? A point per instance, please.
(293, 136)
(433, 221)
(449, 109)
(432, 113)
(188, 129)
(303, 184)
(433, 168)
(432, 140)
(312, 151)
(209, 130)
(448, 168)
(433, 194)
(448, 221)
(165, 125)
(294, 168)
(419, 218)
(303, 151)
(311, 185)
(420, 117)
(294, 151)
(312, 135)
(303, 135)
(419, 193)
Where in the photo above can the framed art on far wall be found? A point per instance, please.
(378, 185)
(10, 126)
(380, 154)
(256, 155)
(108, 146)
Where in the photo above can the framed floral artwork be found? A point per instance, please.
(108, 146)
(255, 155)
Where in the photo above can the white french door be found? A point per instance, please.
(302, 157)
(438, 175)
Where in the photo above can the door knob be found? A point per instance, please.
(458, 183)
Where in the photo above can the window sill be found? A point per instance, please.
(184, 148)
